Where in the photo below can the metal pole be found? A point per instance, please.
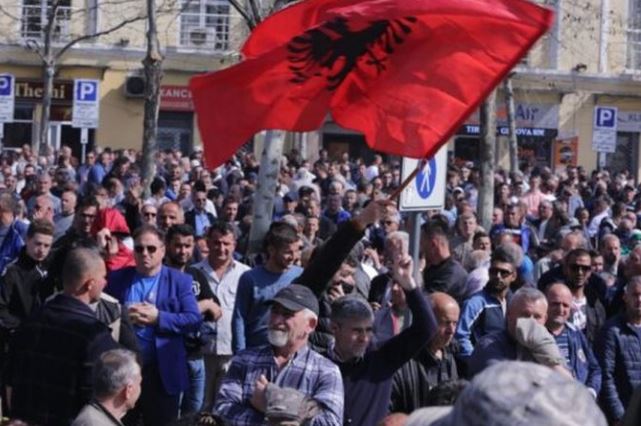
(415, 242)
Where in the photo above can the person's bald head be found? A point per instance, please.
(559, 299)
(83, 275)
(446, 311)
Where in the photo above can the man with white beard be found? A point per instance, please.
(286, 366)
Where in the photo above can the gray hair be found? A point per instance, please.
(401, 236)
(527, 295)
(114, 370)
(350, 308)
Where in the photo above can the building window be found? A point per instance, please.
(36, 14)
(634, 36)
(204, 24)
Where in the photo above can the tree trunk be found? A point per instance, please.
(263, 205)
(41, 143)
(509, 104)
(488, 147)
(153, 74)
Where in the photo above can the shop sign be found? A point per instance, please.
(475, 130)
(33, 90)
(629, 121)
(545, 116)
(176, 98)
(7, 97)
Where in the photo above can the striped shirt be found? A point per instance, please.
(307, 372)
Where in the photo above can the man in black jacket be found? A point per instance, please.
(22, 282)
(433, 365)
(52, 353)
(367, 370)
(442, 272)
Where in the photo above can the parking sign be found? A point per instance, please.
(86, 99)
(604, 129)
(7, 97)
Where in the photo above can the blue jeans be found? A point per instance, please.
(192, 398)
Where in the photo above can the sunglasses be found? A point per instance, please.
(576, 267)
(141, 249)
(500, 272)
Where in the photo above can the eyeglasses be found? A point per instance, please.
(389, 222)
(500, 272)
(141, 249)
(149, 214)
(583, 268)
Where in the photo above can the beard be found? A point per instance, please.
(277, 338)
(496, 286)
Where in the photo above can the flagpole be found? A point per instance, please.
(410, 178)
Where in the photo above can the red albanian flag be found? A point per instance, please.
(405, 73)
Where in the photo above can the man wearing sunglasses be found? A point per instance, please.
(484, 312)
(163, 309)
(588, 312)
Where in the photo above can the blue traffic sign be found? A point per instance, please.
(426, 179)
(6, 85)
(86, 91)
(605, 117)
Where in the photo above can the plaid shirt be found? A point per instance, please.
(307, 372)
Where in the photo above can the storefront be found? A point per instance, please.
(176, 119)
(536, 130)
(28, 106)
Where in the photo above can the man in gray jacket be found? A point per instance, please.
(116, 387)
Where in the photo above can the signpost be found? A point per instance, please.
(427, 191)
(7, 101)
(85, 112)
(604, 132)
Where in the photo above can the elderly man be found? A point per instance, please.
(51, 354)
(434, 364)
(163, 309)
(286, 362)
(588, 291)
(522, 339)
(618, 349)
(572, 343)
(116, 387)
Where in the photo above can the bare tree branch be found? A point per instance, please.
(97, 34)
(240, 9)
(255, 12)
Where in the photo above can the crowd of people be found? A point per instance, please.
(119, 308)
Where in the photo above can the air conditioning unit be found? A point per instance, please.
(202, 36)
(135, 86)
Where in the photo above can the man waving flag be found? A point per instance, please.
(405, 73)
